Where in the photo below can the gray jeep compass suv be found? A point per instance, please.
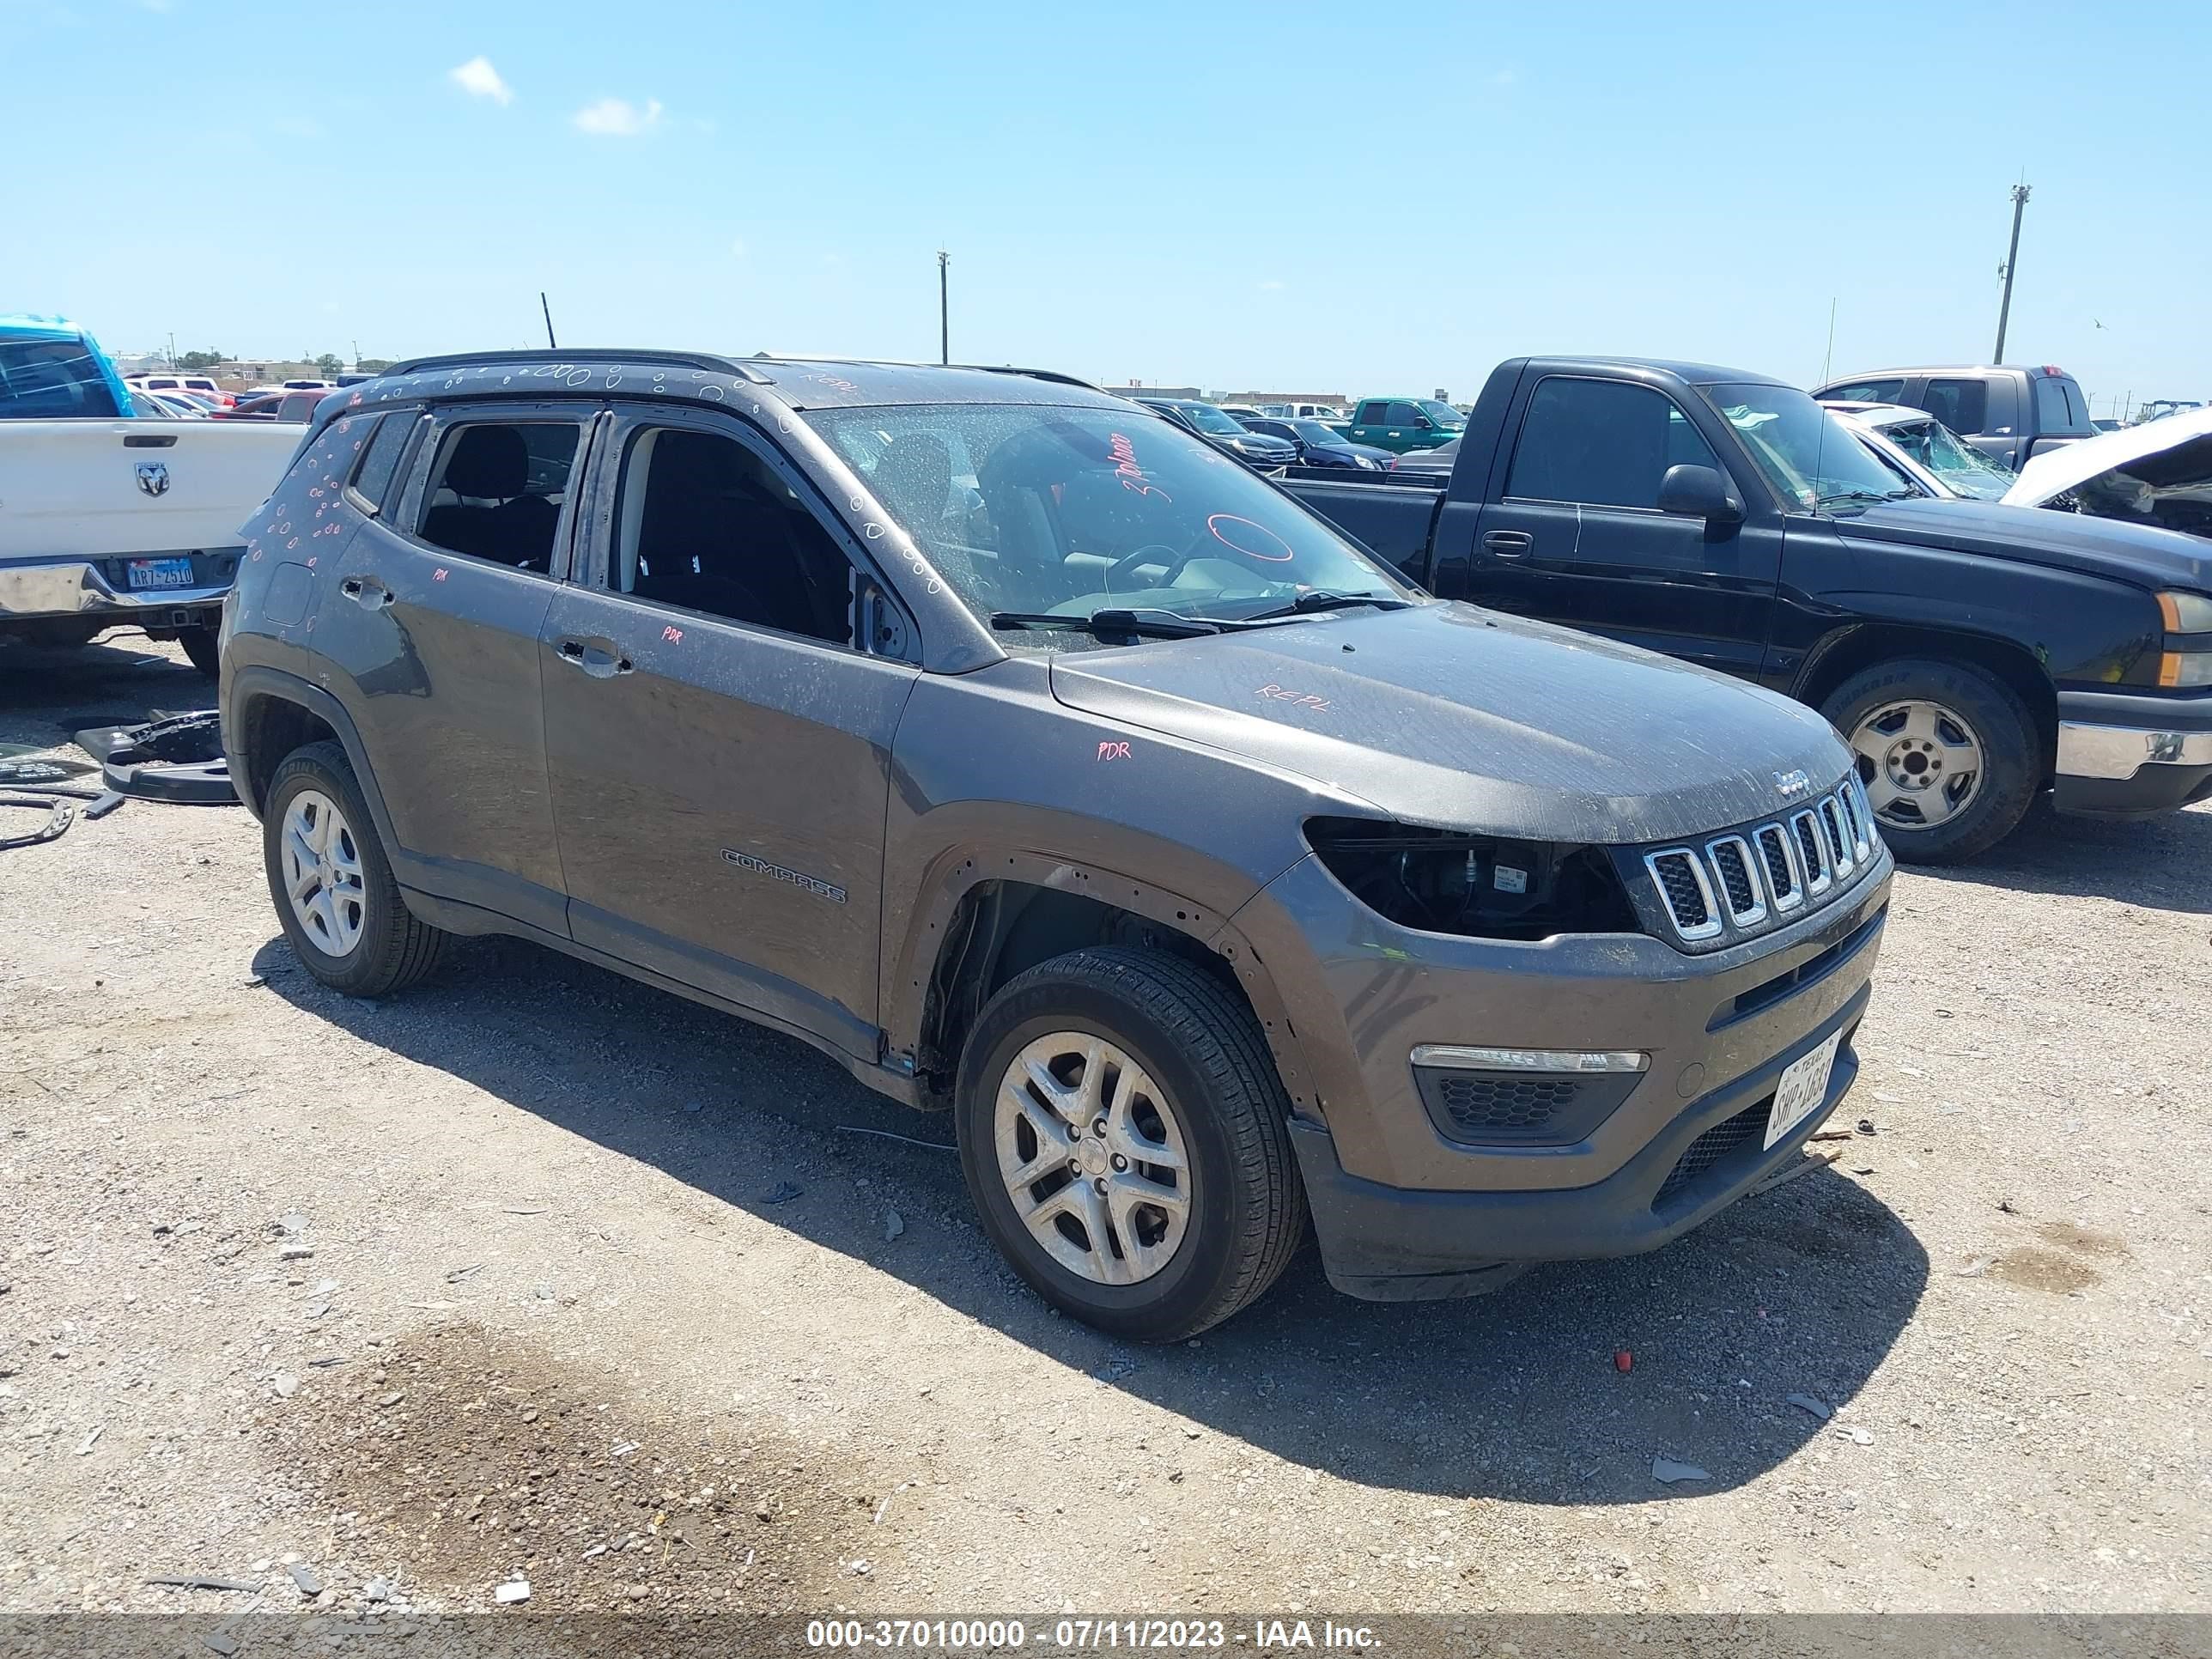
(1042, 763)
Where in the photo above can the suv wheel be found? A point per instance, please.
(1123, 1135)
(334, 891)
(1947, 753)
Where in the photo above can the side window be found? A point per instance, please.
(1401, 415)
(703, 522)
(1865, 392)
(1370, 414)
(380, 459)
(496, 489)
(1962, 405)
(51, 379)
(1601, 441)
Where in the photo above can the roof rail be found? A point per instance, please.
(584, 355)
(1051, 375)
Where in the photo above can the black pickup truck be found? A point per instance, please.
(1971, 655)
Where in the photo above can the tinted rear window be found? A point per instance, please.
(43, 379)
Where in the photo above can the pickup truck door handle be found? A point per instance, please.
(594, 656)
(1508, 544)
(366, 591)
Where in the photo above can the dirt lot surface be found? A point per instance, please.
(499, 1280)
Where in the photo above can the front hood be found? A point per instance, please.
(2057, 471)
(2141, 554)
(1447, 715)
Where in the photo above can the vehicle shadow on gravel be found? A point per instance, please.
(1802, 1291)
(2162, 864)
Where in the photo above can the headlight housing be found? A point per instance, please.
(1441, 881)
(2185, 663)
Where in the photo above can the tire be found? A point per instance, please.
(1244, 1205)
(383, 946)
(200, 648)
(1975, 703)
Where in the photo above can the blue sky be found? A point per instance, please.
(1354, 198)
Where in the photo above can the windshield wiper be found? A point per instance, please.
(1322, 599)
(1147, 624)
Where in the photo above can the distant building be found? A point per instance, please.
(1260, 399)
(1138, 389)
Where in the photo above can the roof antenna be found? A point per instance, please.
(551, 344)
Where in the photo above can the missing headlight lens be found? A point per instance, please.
(1482, 886)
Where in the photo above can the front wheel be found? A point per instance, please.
(1947, 752)
(1124, 1136)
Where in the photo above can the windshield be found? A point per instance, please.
(1951, 458)
(1806, 452)
(1206, 418)
(1314, 432)
(1442, 414)
(1029, 508)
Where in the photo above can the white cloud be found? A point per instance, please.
(737, 248)
(1273, 285)
(479, 79)
(1504, 77)
(617, 118)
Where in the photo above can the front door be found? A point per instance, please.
(1578, 538)
(434, 610)
(720, 751)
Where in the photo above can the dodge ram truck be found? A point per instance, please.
(109, 517)
(1972, 654)
(1040, 763)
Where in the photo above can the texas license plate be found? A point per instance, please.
(1804, 1085)
(160, 573)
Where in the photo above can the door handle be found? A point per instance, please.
(1508, 544)
(597, 660)
(366, 591)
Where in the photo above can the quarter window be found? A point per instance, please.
(1604, 442)
(380, 459)
(497, 490)
(705, 523)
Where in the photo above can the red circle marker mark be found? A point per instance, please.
(1215, 521)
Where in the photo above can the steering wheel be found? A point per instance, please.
(1152, 552)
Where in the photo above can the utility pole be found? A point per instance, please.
(944, 310)
(2012, 258)
(172, 351)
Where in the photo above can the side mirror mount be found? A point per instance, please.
(1699, 492)
(1422, 423)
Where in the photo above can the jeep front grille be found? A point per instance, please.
(1743, 881)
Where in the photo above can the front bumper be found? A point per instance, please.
(1402, 1209)
(1390, 1243)
(61, 589)
(2129, 755)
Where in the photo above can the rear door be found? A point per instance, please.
(432, 611)
(1577, 536)
(720, 751)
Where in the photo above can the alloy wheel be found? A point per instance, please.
(1093, 1157)
(323, 873)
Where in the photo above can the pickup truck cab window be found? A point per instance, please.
(1605, 443)
(1866, 392)
(1035, 508)
(46, 379)
(1810, 457)
(496, 491)
(703, 523)
(2058, 410)
(1962, 405)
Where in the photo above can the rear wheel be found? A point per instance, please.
(1947, 752)
(334, 894)
(199, 645)
(1124, 1137)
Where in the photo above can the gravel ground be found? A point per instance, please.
(498, 1281)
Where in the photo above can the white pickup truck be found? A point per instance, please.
(108, 519)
